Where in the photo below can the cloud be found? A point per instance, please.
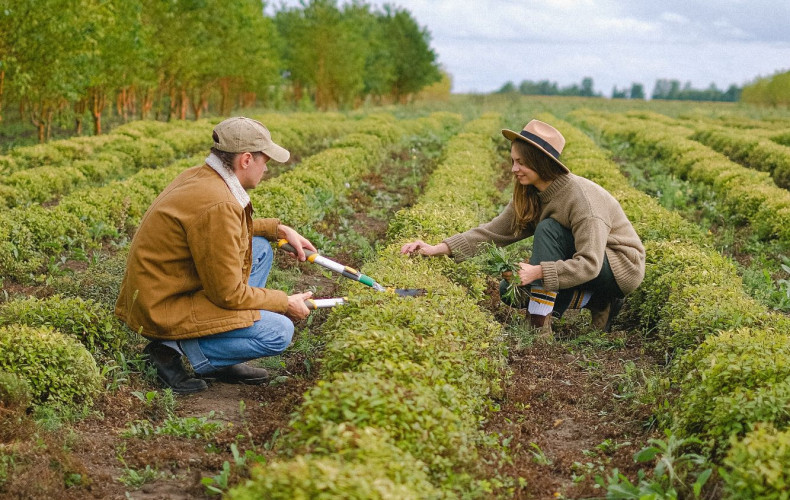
(485, 43)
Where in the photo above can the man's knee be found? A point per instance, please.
(277, 336)
(261, 247)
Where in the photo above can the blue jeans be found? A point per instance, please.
(268, 336)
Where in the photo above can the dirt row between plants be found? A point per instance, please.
(252, 417)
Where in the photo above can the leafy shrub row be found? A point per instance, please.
(402, 370)
(731, 375)
(90, 322)
(33, 237)
(59, 167)
(749, 150)
(60, 371)
(301, 196)
(746, 193)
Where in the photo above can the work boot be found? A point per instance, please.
(602, 318)
(238, 374)
(542, 324)
(170, 370)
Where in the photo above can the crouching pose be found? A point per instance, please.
(198, 263)
(585, 251)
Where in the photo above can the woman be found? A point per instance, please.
(585, 251)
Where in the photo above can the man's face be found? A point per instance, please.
(253, 168)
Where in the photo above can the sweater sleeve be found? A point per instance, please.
(215, 241)
(590, 237)
(498, 231)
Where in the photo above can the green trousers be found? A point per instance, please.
(553, 242)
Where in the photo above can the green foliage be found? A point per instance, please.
(90, 322)
(769, 91)
(182, 427)
(732, 381)
(14, 391)
(346, 462)
(756, 466)
(61, 372)
(668, 478)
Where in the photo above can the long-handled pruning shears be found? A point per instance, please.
(348, 272)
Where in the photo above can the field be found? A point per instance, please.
(448, 395)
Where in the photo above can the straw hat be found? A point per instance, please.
(544, 137)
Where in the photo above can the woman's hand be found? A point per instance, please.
(296, 240)
(529, 273)
(423, 248)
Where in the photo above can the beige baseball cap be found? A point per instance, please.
(245, 135)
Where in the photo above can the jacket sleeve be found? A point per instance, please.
(215, 240)
(266, 228)
(498, 230)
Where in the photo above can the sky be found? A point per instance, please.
(485, 43)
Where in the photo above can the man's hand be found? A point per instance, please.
(423, 248)
(529, 273)
(296, 240)
(297, 310)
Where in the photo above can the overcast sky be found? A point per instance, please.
(485, 43)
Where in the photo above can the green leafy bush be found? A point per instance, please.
(346, 462)
(732, 381)
(14, 391)
(92, 323)
(758, 465)
(60, 371)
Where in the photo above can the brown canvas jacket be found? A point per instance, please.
(190, 260)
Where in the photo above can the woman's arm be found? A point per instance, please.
(423, 248)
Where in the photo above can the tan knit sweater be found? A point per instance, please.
(597, 222)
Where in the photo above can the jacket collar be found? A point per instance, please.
(230, 179)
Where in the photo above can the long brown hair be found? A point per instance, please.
(525, 198)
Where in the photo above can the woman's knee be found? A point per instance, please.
(552, 241)
(549, 227)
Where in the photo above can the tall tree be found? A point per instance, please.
(47, 55)
(325, 53)
(415, 61)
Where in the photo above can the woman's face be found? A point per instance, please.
(523, 173)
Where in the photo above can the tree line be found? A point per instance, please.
(771, 91)
(663, 89)
(169, 59)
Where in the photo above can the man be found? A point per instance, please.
(198, 265)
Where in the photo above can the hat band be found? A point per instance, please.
(542, 143)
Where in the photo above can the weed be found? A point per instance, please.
(538, 456)
(157, 405)
(184, 427)
(218, 484)
(134, 478)
(673, 466)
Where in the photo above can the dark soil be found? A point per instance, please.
(561, 412)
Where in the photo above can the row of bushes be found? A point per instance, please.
(302, 196)
(730, 373)
(47, 171)
(752, 151)
(92, 324)
(746, 193)
(404, 385)
(33, 237)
